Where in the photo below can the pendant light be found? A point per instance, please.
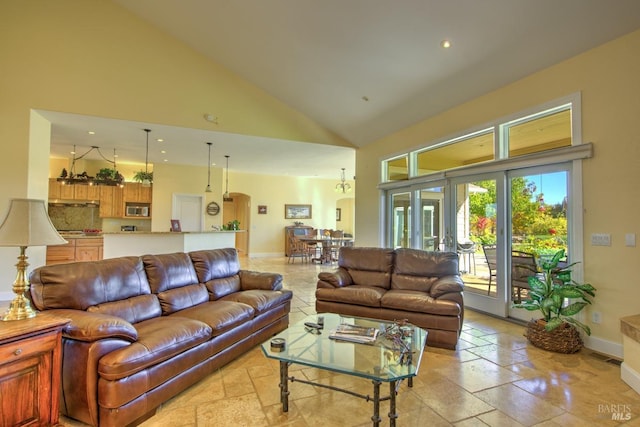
(343, 186)
(208, 189)
(146, 182)
(226, 197)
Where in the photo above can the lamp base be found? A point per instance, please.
(20, 307)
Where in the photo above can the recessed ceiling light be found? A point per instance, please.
(91, 132)
(160, 140)
(163, 151)
(165, 160)
(445, 44)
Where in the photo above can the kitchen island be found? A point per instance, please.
(136, 243)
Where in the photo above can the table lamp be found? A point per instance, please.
(26, 224)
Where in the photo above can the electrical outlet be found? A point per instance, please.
(600, 239)
(595, 317)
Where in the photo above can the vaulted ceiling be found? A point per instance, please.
(367, 68)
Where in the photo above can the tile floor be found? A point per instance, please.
(493, 379)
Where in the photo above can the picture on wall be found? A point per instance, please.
(262, 209)
(297, 211)
(338, 214)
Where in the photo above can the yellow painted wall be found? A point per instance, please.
(267, 231)
(607, 78)
(93, 57)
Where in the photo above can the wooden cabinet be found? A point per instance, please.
(72, 192)
(111, 202)
(30, 369)
(297, 230)
(78, 249)
(136, 192)
(60, 254)
(88, 249)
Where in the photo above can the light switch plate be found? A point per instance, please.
(630, 239)
(600, 239)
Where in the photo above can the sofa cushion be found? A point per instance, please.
(369, 296)
(368, 266)
(417, 270)
(133, 310)
(215, 264)
(159, 339)
(221, 287)
(169, 271)
(93, 282)
(221, 316)
(419, 302)
(260, 300)
(180, 298)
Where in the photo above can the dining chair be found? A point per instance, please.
(298, 249)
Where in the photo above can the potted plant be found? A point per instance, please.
(144, 177)
(548, 292)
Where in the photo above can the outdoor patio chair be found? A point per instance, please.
(491, 258)
(523, 265)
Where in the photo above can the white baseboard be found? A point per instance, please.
(630, 377)
(603, 346)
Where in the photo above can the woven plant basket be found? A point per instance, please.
(563, 339)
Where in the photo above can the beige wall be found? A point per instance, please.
(267, 231)
(607, 78)
(93, 57)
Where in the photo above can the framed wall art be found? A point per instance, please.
(338, 214)
(262, 209)
(297, 211)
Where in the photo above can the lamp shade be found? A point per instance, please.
(28, 224)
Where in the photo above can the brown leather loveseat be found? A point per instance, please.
(423, 287)
(145, 328)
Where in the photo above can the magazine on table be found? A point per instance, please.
(354, 333)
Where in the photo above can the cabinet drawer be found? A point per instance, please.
(88, 242)
(28, 347)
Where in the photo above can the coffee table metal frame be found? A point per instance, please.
(377, 362)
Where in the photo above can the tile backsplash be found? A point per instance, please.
(70, 217)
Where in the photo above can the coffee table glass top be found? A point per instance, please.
(379, 361)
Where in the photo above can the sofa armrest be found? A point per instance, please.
(250, 280)
(90, 327)
(445, 285)
(336, 279)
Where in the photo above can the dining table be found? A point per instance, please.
(328, 243)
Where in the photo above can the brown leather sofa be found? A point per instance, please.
(422, 287)
(145, 328)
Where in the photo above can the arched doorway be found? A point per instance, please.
(237, 207)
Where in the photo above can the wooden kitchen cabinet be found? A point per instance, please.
(111, 202)
(60, 254)
(78, 249)
(72, 192)
(88, 249)
(54, 188)
(136, 192)
(30, 370)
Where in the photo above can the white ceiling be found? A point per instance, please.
(323, 57)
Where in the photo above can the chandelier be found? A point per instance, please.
(105, 176)
(343, 186)
(225, 196)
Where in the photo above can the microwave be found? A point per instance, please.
(136, 210)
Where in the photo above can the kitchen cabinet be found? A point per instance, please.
(78, 249)
(72, 192)
(111, 202)
(88, 249)
(30, 370)
(60, 254)
(136, 192)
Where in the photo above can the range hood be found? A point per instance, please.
(74, 203)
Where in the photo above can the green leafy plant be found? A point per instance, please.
(548, 293)
(142, 176)
(106, 173)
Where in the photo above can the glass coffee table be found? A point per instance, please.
(391, 358)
